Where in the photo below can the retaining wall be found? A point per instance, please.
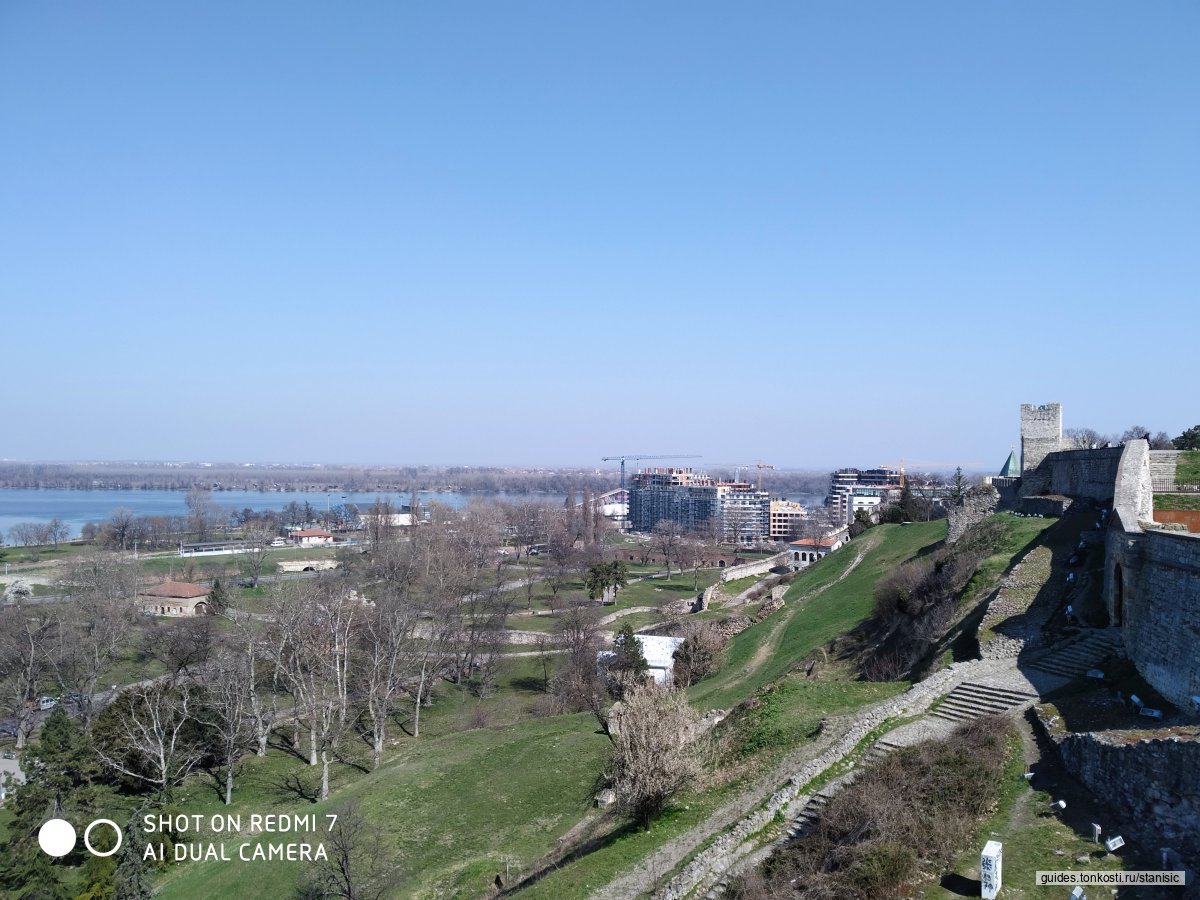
(757, 567)
(1153, 782)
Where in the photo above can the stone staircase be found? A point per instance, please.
(970, 700)
(1074, 656)
(1163, 464)
(807, 820)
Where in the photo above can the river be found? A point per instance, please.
(77, 508)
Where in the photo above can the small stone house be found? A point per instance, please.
(311, 537)
(175, 598)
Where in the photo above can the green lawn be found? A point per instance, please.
(1177, 501)
(450, 811)
(1187, 469)
(803, 625)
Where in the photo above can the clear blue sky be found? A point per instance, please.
(813, 233)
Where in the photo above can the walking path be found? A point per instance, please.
(966, 690)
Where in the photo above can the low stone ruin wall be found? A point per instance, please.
(972, 508)
(758, 567)
(1152, 782)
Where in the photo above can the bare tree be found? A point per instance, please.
(667, 535)
(579, 685)
(316, 660)
(700, 654)
(96, 623)
(355, 869)
(155, 737)
(57, 531)
(656, 750)
(229, 686)
(121, 528)
(386, 640)
(1084, 438)
(203, 513)
(257, 537)
(26, 635)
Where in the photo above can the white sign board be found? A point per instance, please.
(1114, 843)
(989, 869)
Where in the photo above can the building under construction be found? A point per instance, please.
(736, 511)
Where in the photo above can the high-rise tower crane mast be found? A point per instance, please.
(737, 469)
(637, 457)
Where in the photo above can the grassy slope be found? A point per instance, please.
(450, 810)
(1187, 469)
(454, 806)
(806, 624)
(1023, 533)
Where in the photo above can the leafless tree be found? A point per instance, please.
(355, 869)
(254, 638)
(121, 528)
(203, 513)
(386, 648)
(184, 646)
(317, 663)
(380, 520)
(229, 685)
(96, 623)
(1161, 441)
(656, 752)
(27, 633)
(700, 654)
(257, 536)
(1084, 438)
(667, 535)
(155, 737)
(57, 531)
(578, 684)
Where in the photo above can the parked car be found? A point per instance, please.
(45, 703)
(77, 698)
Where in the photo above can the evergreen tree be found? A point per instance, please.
(1189, 440)
(628, 664)
(218, 597)
(59, 774)
(131, 881)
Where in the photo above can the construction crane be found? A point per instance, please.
(924, 465)
(637, 457)
(737, 469)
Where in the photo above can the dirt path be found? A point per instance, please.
(643, 878)
(771, 644)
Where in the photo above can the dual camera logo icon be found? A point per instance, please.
(57, 837)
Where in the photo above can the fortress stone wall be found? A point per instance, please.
(1151, 574)
(1077, 474)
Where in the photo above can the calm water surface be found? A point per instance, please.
(77, 508)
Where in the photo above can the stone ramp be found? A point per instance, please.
(1077, 654)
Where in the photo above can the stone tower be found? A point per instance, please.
(1041, 433)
